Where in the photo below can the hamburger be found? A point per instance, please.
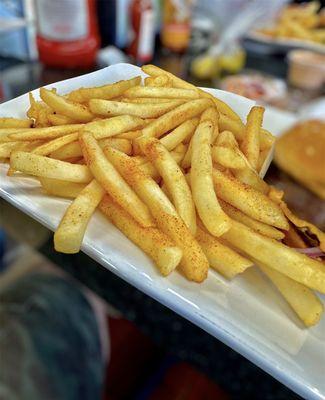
(300, 152)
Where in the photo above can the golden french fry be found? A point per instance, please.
(151, 240)
(222, 107)
(205, 199)
(227, 157)
(38, 112)
(276, 255)
(303, 301)
(161, 92)
(211, 114)
(158, 81)
(111, 180)
(261, 158)
(7, 148)
(61, 188)
(175, 117)
(130, 135)
(71, 230)
(174, 179)
(248, 200)
(221, 257)
(114, 126)
(194, 263)
(105, 92)
(226, 139)
(73, 149)
(179, 134)
(250, 144)
(41, 166)
(66, 107)
(238, 129)
(15, 123)
(258, 226)
(55, 144)
(146, 100)
(57, 120)
(113, 108)
(46, 133)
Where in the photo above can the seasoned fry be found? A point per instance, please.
(152, 241)
(113, 108)
(15, 123)
(161, 92)
(111, 180)
(250, 145)
(130, 135)
(105, 92)
(276, 255)
(51, 146)
(57, 120)
(61, 188)
(222, 107)
(174, 180)
(65, 107)
(41, 166)
(258, 226)
(71, 230)
(179, 134)
(221, 257)
(146, 100)
(205, 199)
(114, 126)
(7, 148)
(158, 81)
(238, 129)
(73, 149)
(227, 157)
(175, 117)
(303, 301)
(248, 200)
(47, 133)
(194, 263)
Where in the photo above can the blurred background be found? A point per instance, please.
(90, 335)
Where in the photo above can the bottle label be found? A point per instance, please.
(146, 35)
(62, 20)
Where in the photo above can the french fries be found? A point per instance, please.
(105, 92)
(194, 264)
(175, 117)
(40, 166)
(61, 188)
(110, 108)
(65, 107)
(251, 141)
(251, 202)
(161, 92)
(15, 123)
(275, 255)
(176, 171)
(205, 199)
(302, 300)
(221, 257)
(173, 178)
(151, 240)
(70, 232)
(112, 181)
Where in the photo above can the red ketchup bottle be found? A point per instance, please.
(143, 31)
(67, 33)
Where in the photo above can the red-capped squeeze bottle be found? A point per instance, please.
(67, 33)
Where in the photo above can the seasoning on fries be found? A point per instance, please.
(176, 171)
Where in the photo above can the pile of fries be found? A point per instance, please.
(299, 21)
(177, 171)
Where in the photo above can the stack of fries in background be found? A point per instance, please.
(299, 21)
(174, 169)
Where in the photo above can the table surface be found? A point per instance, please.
(238, 376)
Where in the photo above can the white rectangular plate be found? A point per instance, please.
(247, 314)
